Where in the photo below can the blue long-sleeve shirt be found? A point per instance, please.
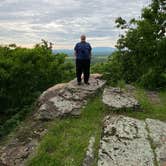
(83, 50)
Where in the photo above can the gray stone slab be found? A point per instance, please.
(157, 132)
(117, 99)
(125, 143)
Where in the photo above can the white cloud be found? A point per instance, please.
(62, 21)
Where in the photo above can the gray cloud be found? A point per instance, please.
(62, 21)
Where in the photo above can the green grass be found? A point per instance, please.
(67, 140)
(150, 110)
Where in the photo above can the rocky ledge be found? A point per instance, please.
(58, 101)
(66, 99)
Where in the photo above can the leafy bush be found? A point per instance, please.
(141, 50)
(152, 79)
(24, 74)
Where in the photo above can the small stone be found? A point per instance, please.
(89, 158)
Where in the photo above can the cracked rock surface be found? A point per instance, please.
(116, 99)
(60, 100)
(127, 141)
(66, 99)
(157, 132)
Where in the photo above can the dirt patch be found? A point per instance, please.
(153, 97)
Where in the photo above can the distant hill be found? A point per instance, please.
(98, 51)
(103, 50)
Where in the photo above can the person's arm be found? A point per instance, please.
(75, 54)
(90, 54)
(75, 51)
(90, 51)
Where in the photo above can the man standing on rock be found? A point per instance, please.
(82, 53)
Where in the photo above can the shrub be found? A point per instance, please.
(24, 74)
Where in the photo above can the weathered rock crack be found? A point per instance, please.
(132, 142)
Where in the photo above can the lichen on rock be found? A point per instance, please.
(125, 142)
(157, 132)
(117, 99)
(66, 99)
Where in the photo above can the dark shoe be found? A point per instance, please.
(87, 83)
(78, 83)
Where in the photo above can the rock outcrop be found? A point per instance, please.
(118, 99)
(132, 142)
(157, 132)
(66, 99)
(125, 142)
(58, 101)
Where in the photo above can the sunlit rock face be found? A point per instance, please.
(66, 99)
(132, 142)
(125, 142)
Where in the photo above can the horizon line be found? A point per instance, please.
(55, 47)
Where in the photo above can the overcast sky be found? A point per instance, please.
(26, 22)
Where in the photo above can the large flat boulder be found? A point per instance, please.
(157, 132)
(125, 142)
(66, 99)
(118, 99)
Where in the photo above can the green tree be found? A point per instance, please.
(141, 50)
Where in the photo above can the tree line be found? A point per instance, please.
(24, 74)
(141, 54)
